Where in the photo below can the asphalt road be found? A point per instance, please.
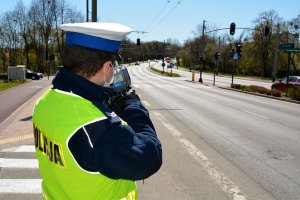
(248, 146)
(13, 98)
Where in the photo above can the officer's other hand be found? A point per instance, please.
(119, 103)
(130, 95)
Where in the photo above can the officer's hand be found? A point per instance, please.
(130, 95)
(119, 103)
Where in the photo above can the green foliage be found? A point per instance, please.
(260, 89)
(257, 89)
(257, 51)
(165, 73)
(4, 85)
(294, 93)
(236, 86)
(3, 76)
(276, 93)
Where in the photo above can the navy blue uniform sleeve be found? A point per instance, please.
(119, 151)
(129, 152)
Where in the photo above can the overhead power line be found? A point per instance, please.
(165, 17)
(158, 14)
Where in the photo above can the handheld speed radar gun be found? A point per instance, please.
(122, 82)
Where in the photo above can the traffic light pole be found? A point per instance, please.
(201, 69)
(216, 64)
(233, 70)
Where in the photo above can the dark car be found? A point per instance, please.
(294, 81)
(33, 75)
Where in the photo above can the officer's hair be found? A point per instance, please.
(85, 61)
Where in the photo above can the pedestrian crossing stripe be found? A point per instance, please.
(23, 186)
(18, 163)
(23, 148)
(20, 186)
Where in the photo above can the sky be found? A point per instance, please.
(177, 19)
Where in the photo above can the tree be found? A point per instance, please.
(34, 32)
(264, 46)
(22, 20)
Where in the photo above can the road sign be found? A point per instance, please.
(286, 46)
(295, 50)
(235, 56)
(171, 65)
(163, 64)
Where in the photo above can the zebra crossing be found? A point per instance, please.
(19, 175)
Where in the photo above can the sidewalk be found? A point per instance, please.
(17, 129)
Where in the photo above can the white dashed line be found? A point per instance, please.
(255, 114)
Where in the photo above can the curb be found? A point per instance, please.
(262, 95)
(252, 93)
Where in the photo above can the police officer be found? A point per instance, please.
(85, 149)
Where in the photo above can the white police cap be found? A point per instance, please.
(96, 35)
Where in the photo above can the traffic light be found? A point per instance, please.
(217, 56)
(200, 59)
(267, 31)
(138, 42)
(239, 50)
(232, 28)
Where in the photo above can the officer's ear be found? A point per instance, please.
(108, 66)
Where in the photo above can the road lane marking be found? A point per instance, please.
(146, 104)
(258, 115)
(215, 174)
(136, 85)
(32, 186)
(19, 163)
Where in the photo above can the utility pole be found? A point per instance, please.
(201, 69)
(275, 54)
(94, 10)
(87, 10)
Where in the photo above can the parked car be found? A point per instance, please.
(294, 81)
(137, 63)
(33, 75)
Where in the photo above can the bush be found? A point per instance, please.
(236, 86)
(6, 85)
(276, 93)
(259, 89)
(3, 76)
(294, 93)
(246, 88)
